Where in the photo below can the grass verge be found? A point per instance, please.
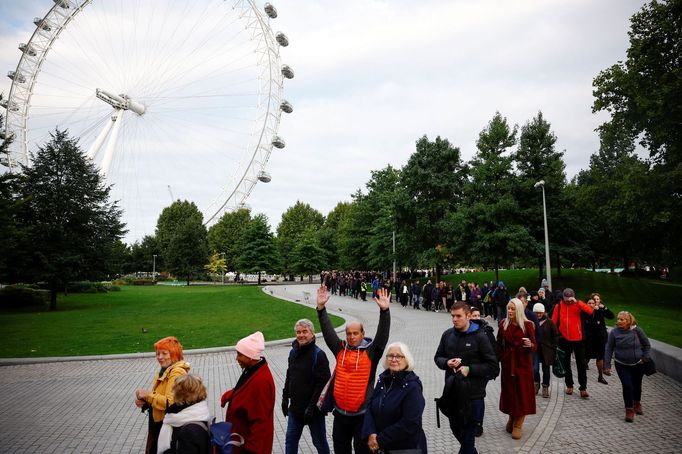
(134, 318)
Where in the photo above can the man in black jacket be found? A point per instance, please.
(307, 374)
(465, 350)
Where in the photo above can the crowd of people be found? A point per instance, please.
(384, 414)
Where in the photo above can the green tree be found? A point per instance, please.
(171, 218)
(308, 257)
(642, 94)
(257, 248)
(225, 235)
(142, 255)
(187, 251)
(71, 224)
(432, 184)
(295, 221)
(537, 159)
(332, 234)
(487, 228)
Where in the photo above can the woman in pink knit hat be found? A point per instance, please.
(251, 403)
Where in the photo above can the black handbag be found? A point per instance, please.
(558, 368)
(648, 363)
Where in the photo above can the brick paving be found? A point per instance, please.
(87, 406)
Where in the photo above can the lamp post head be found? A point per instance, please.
(540, 183)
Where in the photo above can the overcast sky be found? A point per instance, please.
(374, 76)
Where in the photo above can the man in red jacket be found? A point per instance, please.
(252, 400)
(567, 318)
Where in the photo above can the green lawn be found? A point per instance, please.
(200, 316)
(656, 304)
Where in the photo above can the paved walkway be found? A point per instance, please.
(87, 406)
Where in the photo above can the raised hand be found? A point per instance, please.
(383, 299)
(322, 296)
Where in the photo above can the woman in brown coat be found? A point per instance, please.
(516, 345)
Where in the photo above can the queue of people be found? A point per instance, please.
(385, 415)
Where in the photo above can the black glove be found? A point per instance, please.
(309, 414)
(285, 407)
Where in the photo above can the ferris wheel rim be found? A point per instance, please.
(49, 28)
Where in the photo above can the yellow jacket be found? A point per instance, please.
(161, 397)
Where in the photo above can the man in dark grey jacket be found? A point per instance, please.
(465, 353)
(307, 374)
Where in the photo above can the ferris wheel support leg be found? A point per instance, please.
(97, 144)
(117, 119)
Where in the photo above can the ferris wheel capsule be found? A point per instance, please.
(282, 39)
(287, 72)
(286, 106)
(270, 10)
(278, 142)
(62, 3)
(264, 176)
(27, 49)
(16, 76)
(42, 24)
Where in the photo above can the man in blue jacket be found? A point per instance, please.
(465, 350)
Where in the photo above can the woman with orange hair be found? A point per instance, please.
(160, 397)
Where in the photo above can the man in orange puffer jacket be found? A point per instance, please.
(356, 363)
(567, 317)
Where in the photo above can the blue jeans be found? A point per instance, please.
(318, 433)
(631, 379)
(546, 372)
(466, 436)
(415, 300)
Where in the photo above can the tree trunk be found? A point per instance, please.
(594, 264)
(497, 273)
(53, 295)
(188, 278)
(438, 270)
(259, 278)
(310, 279)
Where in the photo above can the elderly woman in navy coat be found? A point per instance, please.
(394, 415)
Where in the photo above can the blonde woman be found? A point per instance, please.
(185, 426)
(516, 345)
(631, 347)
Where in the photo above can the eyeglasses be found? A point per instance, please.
(394, 357)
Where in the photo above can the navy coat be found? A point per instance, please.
(395, 412)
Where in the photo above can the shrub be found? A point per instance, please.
(20, 296)
(86, 287)
(113, 288)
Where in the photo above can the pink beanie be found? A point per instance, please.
(252, 346)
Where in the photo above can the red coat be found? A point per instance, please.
(567, 318)
(517, 396)
(251, 411)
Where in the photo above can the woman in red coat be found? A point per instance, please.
(516, 345)
(251, 403)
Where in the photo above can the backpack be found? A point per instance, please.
(222, 438)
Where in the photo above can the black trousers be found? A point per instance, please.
(577, 347)
(347, 434)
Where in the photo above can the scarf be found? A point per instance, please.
(194, 413)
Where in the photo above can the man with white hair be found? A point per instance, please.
(307, 374)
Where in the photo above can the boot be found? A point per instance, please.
(517, 433)
(537, 387)
(545, 391)
(629, 415)
(600, 369)
(584, 394)
(569, 391)
(638, 408)
(510, 424)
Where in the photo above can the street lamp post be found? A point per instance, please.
(223, 268)
(541, 184)
(154, 269)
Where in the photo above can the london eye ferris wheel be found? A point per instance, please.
(168, 97)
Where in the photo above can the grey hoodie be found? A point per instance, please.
(628, 345)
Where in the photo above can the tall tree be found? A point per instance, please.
(332, 234)
(642, 96)
(295, 221)
(187, 250)
(71, 224)
(224, 236)
(171, 218)
(537, 159)
(487, 228)
(432, 184)
(257, 248)
(308, 257)
(143, 255)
